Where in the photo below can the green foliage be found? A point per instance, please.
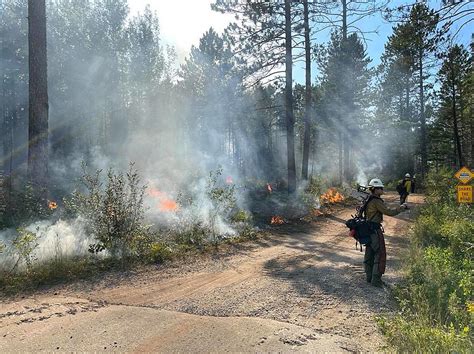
(21, 205)
(313, 190)
(114, 210)
(248, 233)
(241, 216)
(52, 272)
(24, 246)
(159, 252)
(222, 198)
(441, 187)
(191, 233)
(436, 297)
(411, 337)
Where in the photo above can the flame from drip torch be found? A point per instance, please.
(332, 196)
(164, 203)
(269, 188)
(52, 205)
(277, 220)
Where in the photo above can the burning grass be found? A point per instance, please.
(164, 203)
(277, 220)
(332, 196)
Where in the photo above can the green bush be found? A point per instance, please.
(412, 337)
(24, 246)
(114, 211)
(222, 197)
(21, 204)
(159, 252)
(191, 233)
(241, 216)
(436, 297)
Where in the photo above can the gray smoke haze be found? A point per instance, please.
(117, 95)
(56, 240)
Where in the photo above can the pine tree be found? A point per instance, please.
(452, 75)
(38, 97)
(345, 79)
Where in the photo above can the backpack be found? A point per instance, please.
(400, 187)
(361, 228)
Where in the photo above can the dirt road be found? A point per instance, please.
(301, 289)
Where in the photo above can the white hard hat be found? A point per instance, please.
(376, 183)
(407, 175)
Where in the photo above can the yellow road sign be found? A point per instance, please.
(464, 175)
(465, 194)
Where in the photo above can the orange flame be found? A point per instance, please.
(277, 220)
(164, 203)
(52, 205)
(332, 196)
(168, 205)
(269, 188)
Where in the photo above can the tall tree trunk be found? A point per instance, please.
(5, 127)
(344, 19)
(460, 161)
(407, 99)
(345, 144)
(307, 125)
(423, 148)
(38, 96)
(400, 106)
(341, 169)
(290, 122)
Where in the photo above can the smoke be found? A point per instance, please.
(121, 98)
(59, 239)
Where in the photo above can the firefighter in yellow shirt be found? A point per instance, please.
(375, 257)
(406, 185)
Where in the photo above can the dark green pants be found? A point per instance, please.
(375, 258)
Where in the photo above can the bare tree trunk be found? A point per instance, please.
(341, 164)
(307, 127)
(345, 144)
(290, 122)
(424, 152)
(38, 96)
(460, 160)
(5, 126)
(407, 99)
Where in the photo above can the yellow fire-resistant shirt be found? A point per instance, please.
(408, 185)
(377, 208)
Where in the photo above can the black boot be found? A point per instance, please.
(368, 277)
(377, 281)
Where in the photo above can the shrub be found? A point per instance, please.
(159, 252)
(114, 210)
(312, 191)
(241, 216)
(21, 204)
(24, 246)
(222, 197)
(436, 297)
